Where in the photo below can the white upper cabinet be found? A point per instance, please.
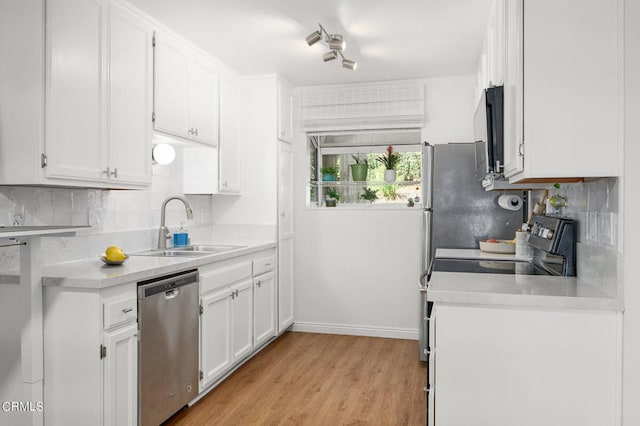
(75, 134)
(130, 97)
(285, 111)
(513, 127)
(85, 117)
(186, 92)
(171, 87)
(491, 63)
(561, 90)
(230, 153)
(203, 101)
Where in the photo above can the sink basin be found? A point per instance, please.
(169, 253)
(190, 251)
(208, 248)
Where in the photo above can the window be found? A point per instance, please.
(331, 174)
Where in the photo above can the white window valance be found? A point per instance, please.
(356, 107)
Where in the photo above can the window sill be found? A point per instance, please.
(368, 207)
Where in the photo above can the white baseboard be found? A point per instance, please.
(356, 330)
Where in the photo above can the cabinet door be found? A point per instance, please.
(121, 377)
(171, 87)
(242, 319)
(75, 101)
(285, 111)
(130, 77)
(229, 148)
(285, 283)
(203, 102)
(200, 170)
(215, 335)
(264, 319)
(513, 90)
(285, 236)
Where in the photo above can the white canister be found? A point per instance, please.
(523, 249)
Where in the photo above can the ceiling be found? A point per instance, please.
(390, 39)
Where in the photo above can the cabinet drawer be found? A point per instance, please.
(225, 276)
(120, 310)
(263, 264)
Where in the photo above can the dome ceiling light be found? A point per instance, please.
(336, 45)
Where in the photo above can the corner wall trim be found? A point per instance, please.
(356, 330)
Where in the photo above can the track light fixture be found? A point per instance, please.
(336, 45)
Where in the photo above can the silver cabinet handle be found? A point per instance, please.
(195, 131)
(224, 184)
(114, 173)
(106, 172)
(127, 310)
(258, 283)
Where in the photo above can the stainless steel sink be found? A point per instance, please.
(190, 251)
(169, 253)
(209, 248)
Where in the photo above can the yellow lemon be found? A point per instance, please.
(114, 253)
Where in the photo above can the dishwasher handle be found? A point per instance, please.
(171, 293)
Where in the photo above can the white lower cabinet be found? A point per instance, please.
(241, 319)
(121, 376)
(215, 335)
(264, 309)
(91, 356)
(524, 366)
(238, 312)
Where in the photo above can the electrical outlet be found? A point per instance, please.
(16, 218)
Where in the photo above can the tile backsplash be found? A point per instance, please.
(594, 205)
(127, 217)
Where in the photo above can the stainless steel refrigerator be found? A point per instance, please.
(458, 212)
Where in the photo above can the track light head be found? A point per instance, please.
(330, 55)
(336, 42)
(352, 65)
(313, 38)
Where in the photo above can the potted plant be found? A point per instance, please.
(389, 161)
(332, 197)
(369, 194)
(359, 169)
(329, 174)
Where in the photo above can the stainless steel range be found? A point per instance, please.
(553, 239)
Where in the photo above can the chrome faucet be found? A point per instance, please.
(164, 233)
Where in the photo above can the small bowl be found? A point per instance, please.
(502, 247)
(113, 262)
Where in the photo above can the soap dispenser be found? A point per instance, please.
(181, 237)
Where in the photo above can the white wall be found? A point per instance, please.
(356, 271)
(631, 334)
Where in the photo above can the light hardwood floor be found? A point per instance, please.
(319, 379)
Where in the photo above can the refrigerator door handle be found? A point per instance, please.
(427, 176)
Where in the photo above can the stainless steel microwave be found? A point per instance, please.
(489, 132)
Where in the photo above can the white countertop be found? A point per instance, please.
(93, 273)
(533, 291)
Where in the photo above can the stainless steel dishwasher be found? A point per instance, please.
(168, 313)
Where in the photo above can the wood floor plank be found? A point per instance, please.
(319, 379)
